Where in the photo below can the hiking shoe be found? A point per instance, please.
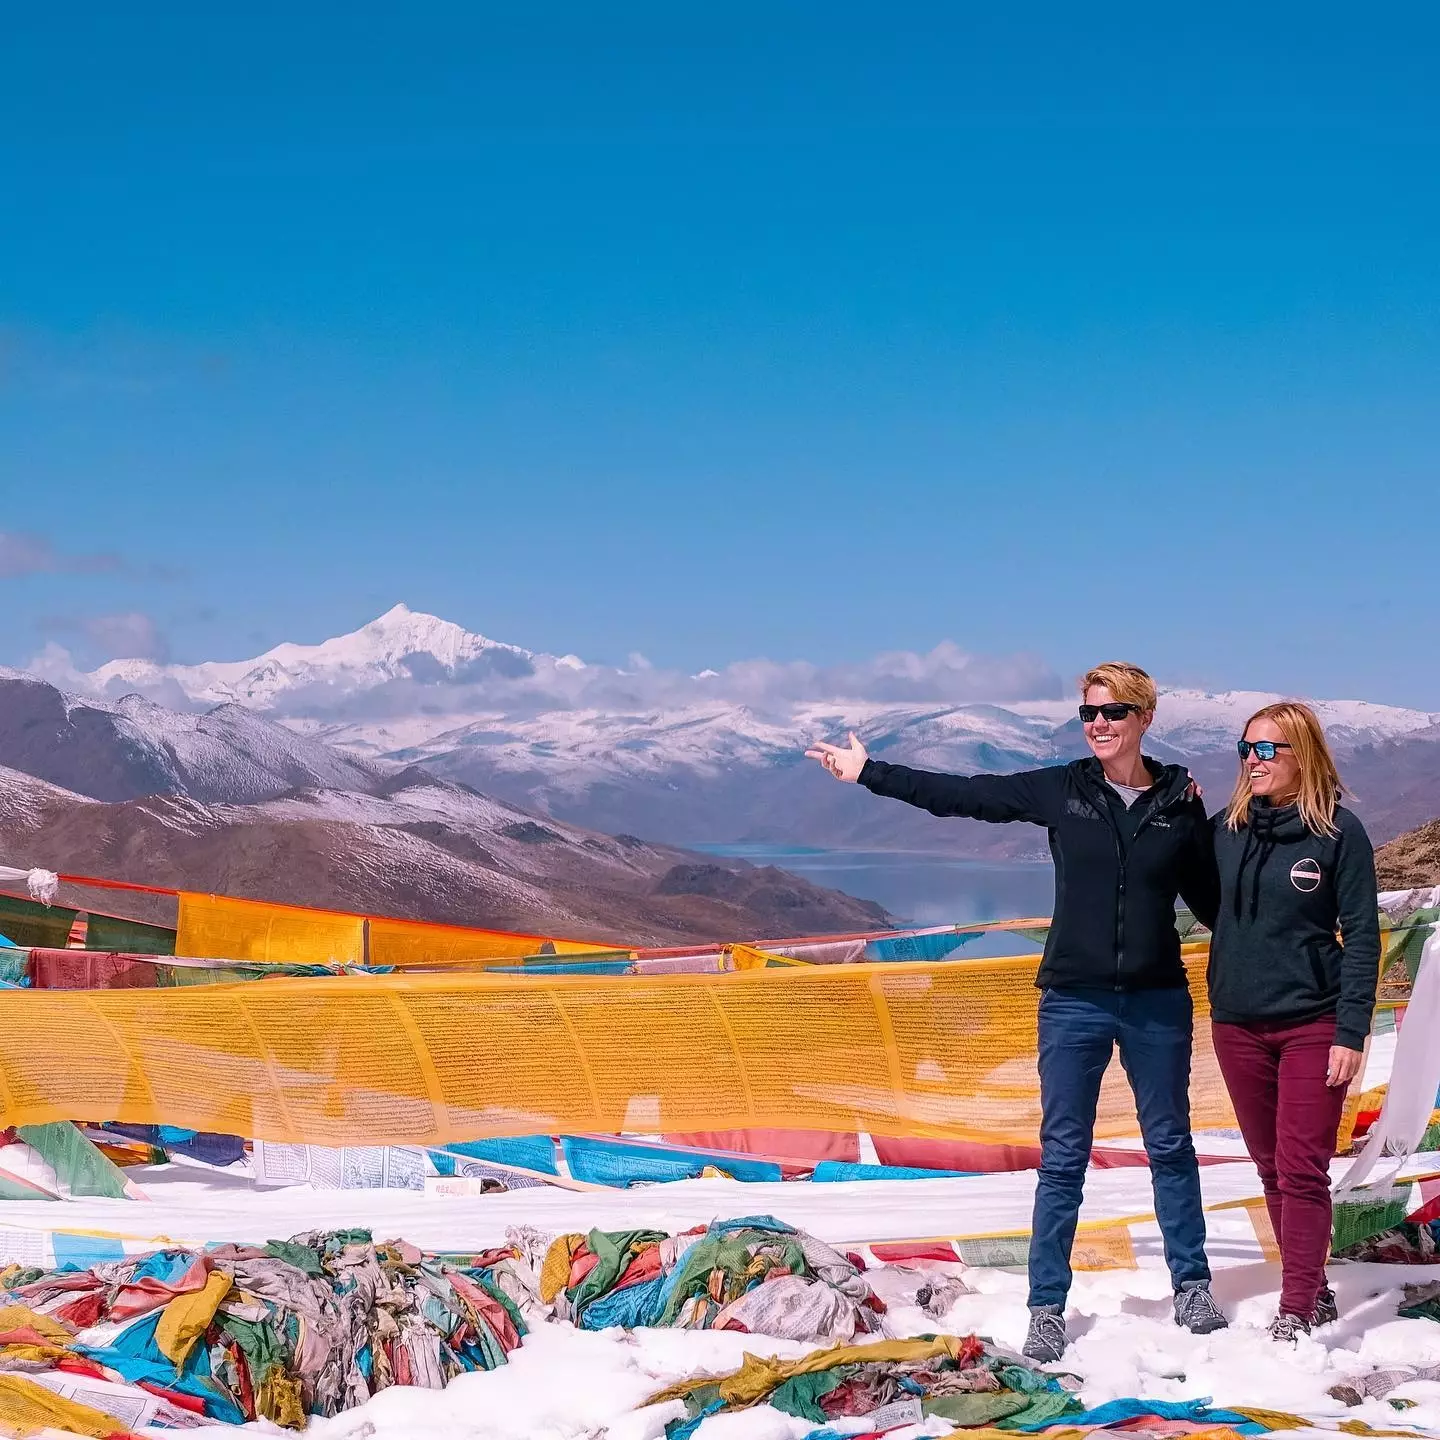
(1046, 1339)
(1288, 1328)
(1327, 1312)
(1196, 1310)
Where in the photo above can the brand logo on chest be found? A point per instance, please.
(1306, 874)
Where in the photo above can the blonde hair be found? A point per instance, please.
(1320, 787)
(1127, 683)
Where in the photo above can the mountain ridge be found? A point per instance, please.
(715, 757)
(426, 850)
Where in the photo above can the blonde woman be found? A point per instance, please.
(1291, 1002)
(1128, 834)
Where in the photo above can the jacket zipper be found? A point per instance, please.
(1120, 858)
(1134, 839)
(1104, 808)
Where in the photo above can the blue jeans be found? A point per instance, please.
(1078, 1032)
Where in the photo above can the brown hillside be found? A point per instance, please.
(1410, 860)
(424, 850)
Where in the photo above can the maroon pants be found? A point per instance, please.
(1289, 1116)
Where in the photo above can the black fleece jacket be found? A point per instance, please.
(1117, 872)
(1284, 891)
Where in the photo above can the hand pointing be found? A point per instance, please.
(843, 762)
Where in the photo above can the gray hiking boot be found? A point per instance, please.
(1288, 1328)
(1196, 1310)
(1046, 1339)
(1327, 1311)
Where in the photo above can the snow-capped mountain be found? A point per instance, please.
(401, 645)
(718, 756)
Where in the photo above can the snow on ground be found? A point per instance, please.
(565, 1384)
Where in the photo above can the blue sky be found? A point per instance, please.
(799, 331)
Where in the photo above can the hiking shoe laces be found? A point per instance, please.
(1196, 1310)
(1288, 1328)
(1327, 1311)
(1046, 1339)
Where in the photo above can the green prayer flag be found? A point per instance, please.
(77, 1162)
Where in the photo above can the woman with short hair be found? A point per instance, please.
(1127, 834)
(1290, 1001)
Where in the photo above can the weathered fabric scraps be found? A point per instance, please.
(311, 1325)
(1403, 1244)
(1379, 1383)
(1422, 1302)
(555, 1270)
(1124, 1412)
(27, 1408)
(607, 1262)
(187, 1317)
(753, 1274)
(193, 1144)
(969, 1382)
(152, 1281)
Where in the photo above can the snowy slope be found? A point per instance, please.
(134, 747)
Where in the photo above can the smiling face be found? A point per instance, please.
(1114, 742)
(1277, 780)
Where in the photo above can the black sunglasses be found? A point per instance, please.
(1115, 710)
(1264, 749)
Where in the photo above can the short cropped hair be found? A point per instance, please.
(1128, 683)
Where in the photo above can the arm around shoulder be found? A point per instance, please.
(1200, 884)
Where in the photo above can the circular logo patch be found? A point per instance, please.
(1305, 875)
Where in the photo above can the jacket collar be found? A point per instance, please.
(1281, 823)
(1173, 780)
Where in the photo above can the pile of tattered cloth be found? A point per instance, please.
(970, 1383)
(309, 1326)
(755, 1275)
(890, 1383)
(1421, 1302)
(1408, 1243)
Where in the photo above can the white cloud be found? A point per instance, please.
(946, 675)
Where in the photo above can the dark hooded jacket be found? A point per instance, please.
(1117, 871)
(1284, 892)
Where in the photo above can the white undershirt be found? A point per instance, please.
(1128, 793)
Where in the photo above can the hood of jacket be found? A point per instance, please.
(1278, 824)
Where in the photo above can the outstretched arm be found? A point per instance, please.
(1032, 795)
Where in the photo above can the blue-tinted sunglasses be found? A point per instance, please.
(1264, 749)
